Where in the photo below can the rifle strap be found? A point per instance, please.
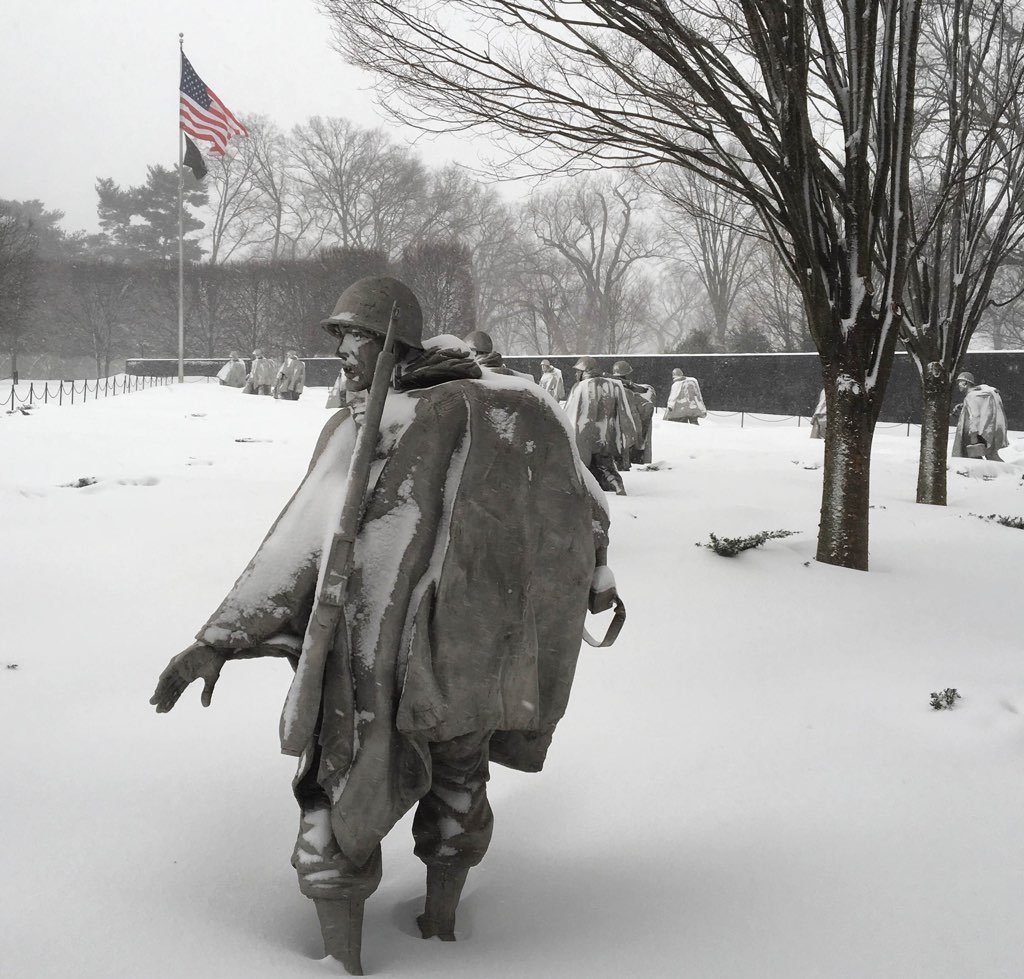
(614, 627)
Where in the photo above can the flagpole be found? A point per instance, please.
(181, 237)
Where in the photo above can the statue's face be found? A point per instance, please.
(546, 368)
(358, 353)
(962, 386)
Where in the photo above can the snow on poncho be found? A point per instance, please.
(232, 374)
(684, 400)
(599, 410)
(552, 382)
(466, 601)
(982, 414)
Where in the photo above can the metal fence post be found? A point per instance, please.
(742, 417)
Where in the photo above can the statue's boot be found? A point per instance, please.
(444, 888)
(341, 924)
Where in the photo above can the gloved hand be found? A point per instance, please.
(602, 589)
(198, 661)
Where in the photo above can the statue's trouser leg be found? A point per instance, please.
(452, 827)
(337, 886)
(596, 471)
(607, 476)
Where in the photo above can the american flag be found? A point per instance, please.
(203, 115)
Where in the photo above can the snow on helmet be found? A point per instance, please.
(677, 373)
(585, 364)
(481, 342)
(366, 305)
(621, 369)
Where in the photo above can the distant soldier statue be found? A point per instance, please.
(819, 418)
(599, 411)
(486, 356)
(437, 630)
(551, 380)
(641, 401)
(981, 427)
(685, 403)
(262, 374)
(291, 378)
(232, 374)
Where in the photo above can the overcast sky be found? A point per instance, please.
(91, 88)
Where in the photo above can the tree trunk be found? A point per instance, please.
(721, 313)
(843, 531)
(936, 394)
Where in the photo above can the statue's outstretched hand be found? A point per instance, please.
(198, 661)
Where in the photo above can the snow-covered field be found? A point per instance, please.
(749, 784)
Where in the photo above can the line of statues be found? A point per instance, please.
(265, 376)
(980, 420)
(611, 414)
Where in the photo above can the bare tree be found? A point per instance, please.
(234, 194)
(713, 238)
(817, 96)
(495, 241)
(100, 306)
(678, 306)
(968, 201)
(773, 298)
(440, 272)
(363, 190)
(592, 225)
(283, 217)
(1003, 322)
(209, 302)
(250, 323)
(543, 316)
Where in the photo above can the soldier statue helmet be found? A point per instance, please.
(366, 305)
(480, 342)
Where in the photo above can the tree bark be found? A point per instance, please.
(936, 394)
(843, 531)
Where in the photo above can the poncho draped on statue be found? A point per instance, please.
(982, 414)
(600, 413)
(466, 602)
(685, 401)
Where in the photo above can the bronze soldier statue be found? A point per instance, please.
(428, 637)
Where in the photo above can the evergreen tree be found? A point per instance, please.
(141, 223)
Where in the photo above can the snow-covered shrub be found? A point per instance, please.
(731, 546)
(944, 699)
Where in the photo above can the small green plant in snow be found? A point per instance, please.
(944, 699)
(731, 546)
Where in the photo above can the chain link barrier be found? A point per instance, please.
(65, 392)
(800, 419)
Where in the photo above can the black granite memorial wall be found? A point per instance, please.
(771, 384)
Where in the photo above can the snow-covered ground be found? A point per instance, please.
(749, 784)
